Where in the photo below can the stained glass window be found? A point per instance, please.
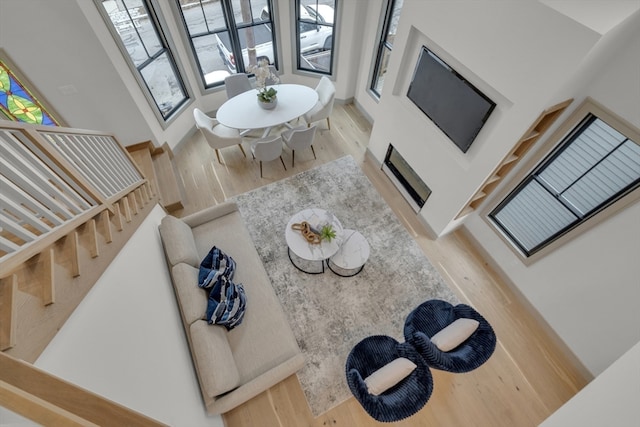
(18, 103)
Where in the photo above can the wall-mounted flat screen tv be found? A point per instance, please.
(453, 104)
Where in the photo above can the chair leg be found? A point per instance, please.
(242, 149)
(293, 158)
(314, 153)
(260, 168)
(328, 123)
(218, 156)
(285, 168)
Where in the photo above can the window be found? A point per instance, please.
(387, 36)
(228, 36)
(17, 101)
(593, 167)
(147, 49)
(314, 34)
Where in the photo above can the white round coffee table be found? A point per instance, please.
(302, 253)
(350, 259)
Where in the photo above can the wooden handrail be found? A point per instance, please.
(59, 178)
(63, 192)
(49, 400)
(14, 260)
(36, 409)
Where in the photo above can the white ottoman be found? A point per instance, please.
(349, 260)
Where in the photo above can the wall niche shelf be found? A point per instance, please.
(530, 137)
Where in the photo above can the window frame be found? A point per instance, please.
(296, 4)
(161, 29)
(552, 147)
(232, 28)
(383, 44)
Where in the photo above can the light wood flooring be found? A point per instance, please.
(524, 382)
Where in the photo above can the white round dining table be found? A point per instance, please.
(243, 112)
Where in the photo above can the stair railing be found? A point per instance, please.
(62, 191)
(53, 180)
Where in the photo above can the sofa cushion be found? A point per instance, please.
(178, 242)
(265, 329)
(214, 361)
(191, 298)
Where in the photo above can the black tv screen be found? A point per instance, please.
(453, 104)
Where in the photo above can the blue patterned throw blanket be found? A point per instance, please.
(227, 300)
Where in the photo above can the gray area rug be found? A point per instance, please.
(329, 314)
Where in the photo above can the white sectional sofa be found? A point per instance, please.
(232, 366)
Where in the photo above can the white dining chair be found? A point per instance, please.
(217, 135)
(267, 149)
(235, 84)
(323, 108)
(299, 138)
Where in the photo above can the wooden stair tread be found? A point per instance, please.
(168, 188)
(141, 154)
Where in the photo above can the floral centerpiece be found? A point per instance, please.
(266, 95)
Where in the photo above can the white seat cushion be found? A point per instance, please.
(389, 375)
(214, 360)
(455, 334)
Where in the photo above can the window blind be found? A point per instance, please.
(595, 166)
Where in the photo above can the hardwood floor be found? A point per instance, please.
(527, 378)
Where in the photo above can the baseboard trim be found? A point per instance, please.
(524, 301)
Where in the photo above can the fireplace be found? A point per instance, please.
(414, 190)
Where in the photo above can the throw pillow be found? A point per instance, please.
(455, 334)
(389, 375)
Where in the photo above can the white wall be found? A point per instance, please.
(82, 53)
(526, 56)
(609, 400)
(523, 54)
(587, 289)
(126, 342)
(54, 46)
(518, 53)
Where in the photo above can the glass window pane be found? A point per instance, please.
(249, 11)
(256, 43)
(212, 66)
(612, 175)
(148, 50)
(382, 71)
(385, 45)
(588, 148)
(164, 84)
(593, 167)
(135, 29)
(315, 35)
(17, 102)
(201, 18)
(533, 216)
(216, 48)
(145, 27)
(393, 22)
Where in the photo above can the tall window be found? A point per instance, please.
(147, 49)
(314, 34)
(228, 36)
(593, 167)
(387, 36)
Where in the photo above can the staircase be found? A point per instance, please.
(157, 165)
(70, 199)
